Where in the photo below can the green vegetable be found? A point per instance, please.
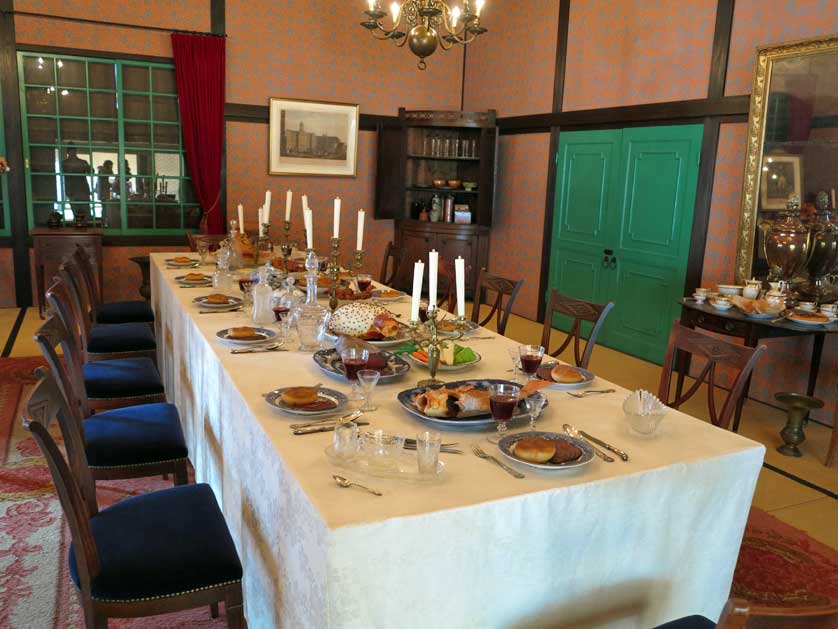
(463, 355)
(407, 348)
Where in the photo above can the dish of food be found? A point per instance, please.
(460, 404)
(218, 301)
(194, 279)
(452, 358)
(347, 294)
(565, 377)
(757, 308)
(306, 401)
(546, 450)
(245, 335)
(390, 366)
(182, 261)
(449, 326)
(388, 294)
(808, 318)
(366, 321)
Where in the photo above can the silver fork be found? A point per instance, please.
(587, 393)
(479, 452)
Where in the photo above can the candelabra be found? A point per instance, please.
(286, 246)
(333, 271)
(432, 341)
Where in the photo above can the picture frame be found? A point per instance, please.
(781, 176)
(313, 138)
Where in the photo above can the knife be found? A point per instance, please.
(607, 446)
(334, 420)
(326, 428)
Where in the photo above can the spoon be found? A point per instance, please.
(575, 433)
(345, 482)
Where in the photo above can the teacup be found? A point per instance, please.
(830, 310)
(807, 306)
(702, 291)
(750, 292)
(721, 303)
(699, 297)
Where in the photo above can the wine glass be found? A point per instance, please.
(246, 287)
(364, 281)
(535, 403)
(516, 363)
(503, 399)
(354, 360)
(202, 247)
(368, 379)
(531, 356)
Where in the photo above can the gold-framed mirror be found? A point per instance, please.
(792, 143)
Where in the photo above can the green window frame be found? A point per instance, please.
(109, 110)
(5, 226)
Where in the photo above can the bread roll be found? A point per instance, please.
(217, 299)
(566, 374)
(299, 396)
(534, 449)
(243, 333)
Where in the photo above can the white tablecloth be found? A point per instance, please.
(613, 544)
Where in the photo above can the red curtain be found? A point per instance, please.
(199, 69)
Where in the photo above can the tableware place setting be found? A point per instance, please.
(305, 401)
(391, 367)
(194, 280)
(182, 262)
(217, 302)
(245, 336)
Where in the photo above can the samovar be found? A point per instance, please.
(823, 254)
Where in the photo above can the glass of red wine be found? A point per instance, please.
(364, 281)
(531, 356)
(354, 360)
(503, 400)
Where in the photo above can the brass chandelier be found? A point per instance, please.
(420, 24)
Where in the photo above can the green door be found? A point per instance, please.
(622, 227)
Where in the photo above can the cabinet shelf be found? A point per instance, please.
(443, 159)
(441, 190)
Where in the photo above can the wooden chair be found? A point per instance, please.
(581, 311)
(502, 287)
(123, 560)
(131, 311)
(740, 614)
(733, 616)
(128, 442)
(103, 341)
(107, 383)
(214, 240)
(396, 255)
(714, 351)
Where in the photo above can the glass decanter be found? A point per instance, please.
(222, 279)
(236, 260)
(310, 318)
(263, 313)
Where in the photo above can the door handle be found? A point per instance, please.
(608, 252)
(605, 262)
(613, 263)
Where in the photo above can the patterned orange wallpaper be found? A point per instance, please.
(637, 51)
(515, 250)
(317, 50)
(511, 67)
(758, 23)
(184, 14)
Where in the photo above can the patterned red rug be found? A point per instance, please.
(35, 587)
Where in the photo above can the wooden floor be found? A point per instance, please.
(800, 491)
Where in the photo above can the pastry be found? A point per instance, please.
(299, 396)
(183, 260)
(364, 320)
(464, 401)
(532, 386)
(534, 449)
(217, 299)
(565, 451)
(194, 277)
(243, 333)
(389, 294)
(566, 374)
(813, 317)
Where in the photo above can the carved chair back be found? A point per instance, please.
(501, 287)
(580, 310)
(396, 255)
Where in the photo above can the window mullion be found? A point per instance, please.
(120, 129)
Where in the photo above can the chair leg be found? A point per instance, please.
(214, 610)
(233, 607)
(93, 619)
(181, 474)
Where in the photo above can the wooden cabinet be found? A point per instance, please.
(471, 242)
(52, 246)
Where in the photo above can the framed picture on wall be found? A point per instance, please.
(313, 138)
(781, 176)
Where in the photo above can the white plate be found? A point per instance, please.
(442, 367)
(376, 294)
(544, 373)
(332, 338)
(233, 302)
(275, 402)
(181, 279)
(505, 447)
(264, 333)
(182, 265)
(811, 323)
(761, 315)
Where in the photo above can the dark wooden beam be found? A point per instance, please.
(260, 114)
(14, 154)
(84, 52)
(218, 17)
(218, 26)
(86, 20)
(721, 48)
(561, 55)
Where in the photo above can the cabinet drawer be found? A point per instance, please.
(718, 324)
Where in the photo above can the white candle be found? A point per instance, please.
(418, 276)
(336, 226)
(309, 224)
(241, 218)
(305, 202)
(460, 272)
(261, 221)
(288, 197)
(359, 239)
(266, 211)
(433, 269)
(834, 207)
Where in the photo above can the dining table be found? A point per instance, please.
(609, 544)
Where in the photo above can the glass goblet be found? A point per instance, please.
(535, 403)
(202, 247)
(531, 356)
(246, 287)
(516, 363)
(368, 378)
(354, 360)
(503, 399)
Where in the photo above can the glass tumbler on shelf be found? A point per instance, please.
(446, 147)
(503, 400)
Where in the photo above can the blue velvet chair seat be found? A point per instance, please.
(689, 622)
(125, 312)
(161, 543)
(125, 337)
(121, 378)
(146, 433)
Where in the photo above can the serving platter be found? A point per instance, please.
(407, 399)
(794, 319)
(274, 400)
(329, 361)
(381, 294)
(470, 328)
(443, 367)
(393, 342)
(544, 373)
(402, 467)
(506, 444)
(263, 334)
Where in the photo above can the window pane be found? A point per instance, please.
(140, 216)
(38, 71)
(165, 108)
(191, 217)
(135, 78)
(73, 131)
(167, 190)
(71, 73)
(168, 216)
(103, 104)
(43, 130)
(72, 102)
(140, 162)
(138, 133)
(76, 188)
(187, 193)
(41, 212)
(163, 80)
(102, 75)
(40, 100)
(2, 216)
(140, 188)
(167, 164)
(166, 135)
(137, 106)
(45, 187)
(104, 131)
(42, 159)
